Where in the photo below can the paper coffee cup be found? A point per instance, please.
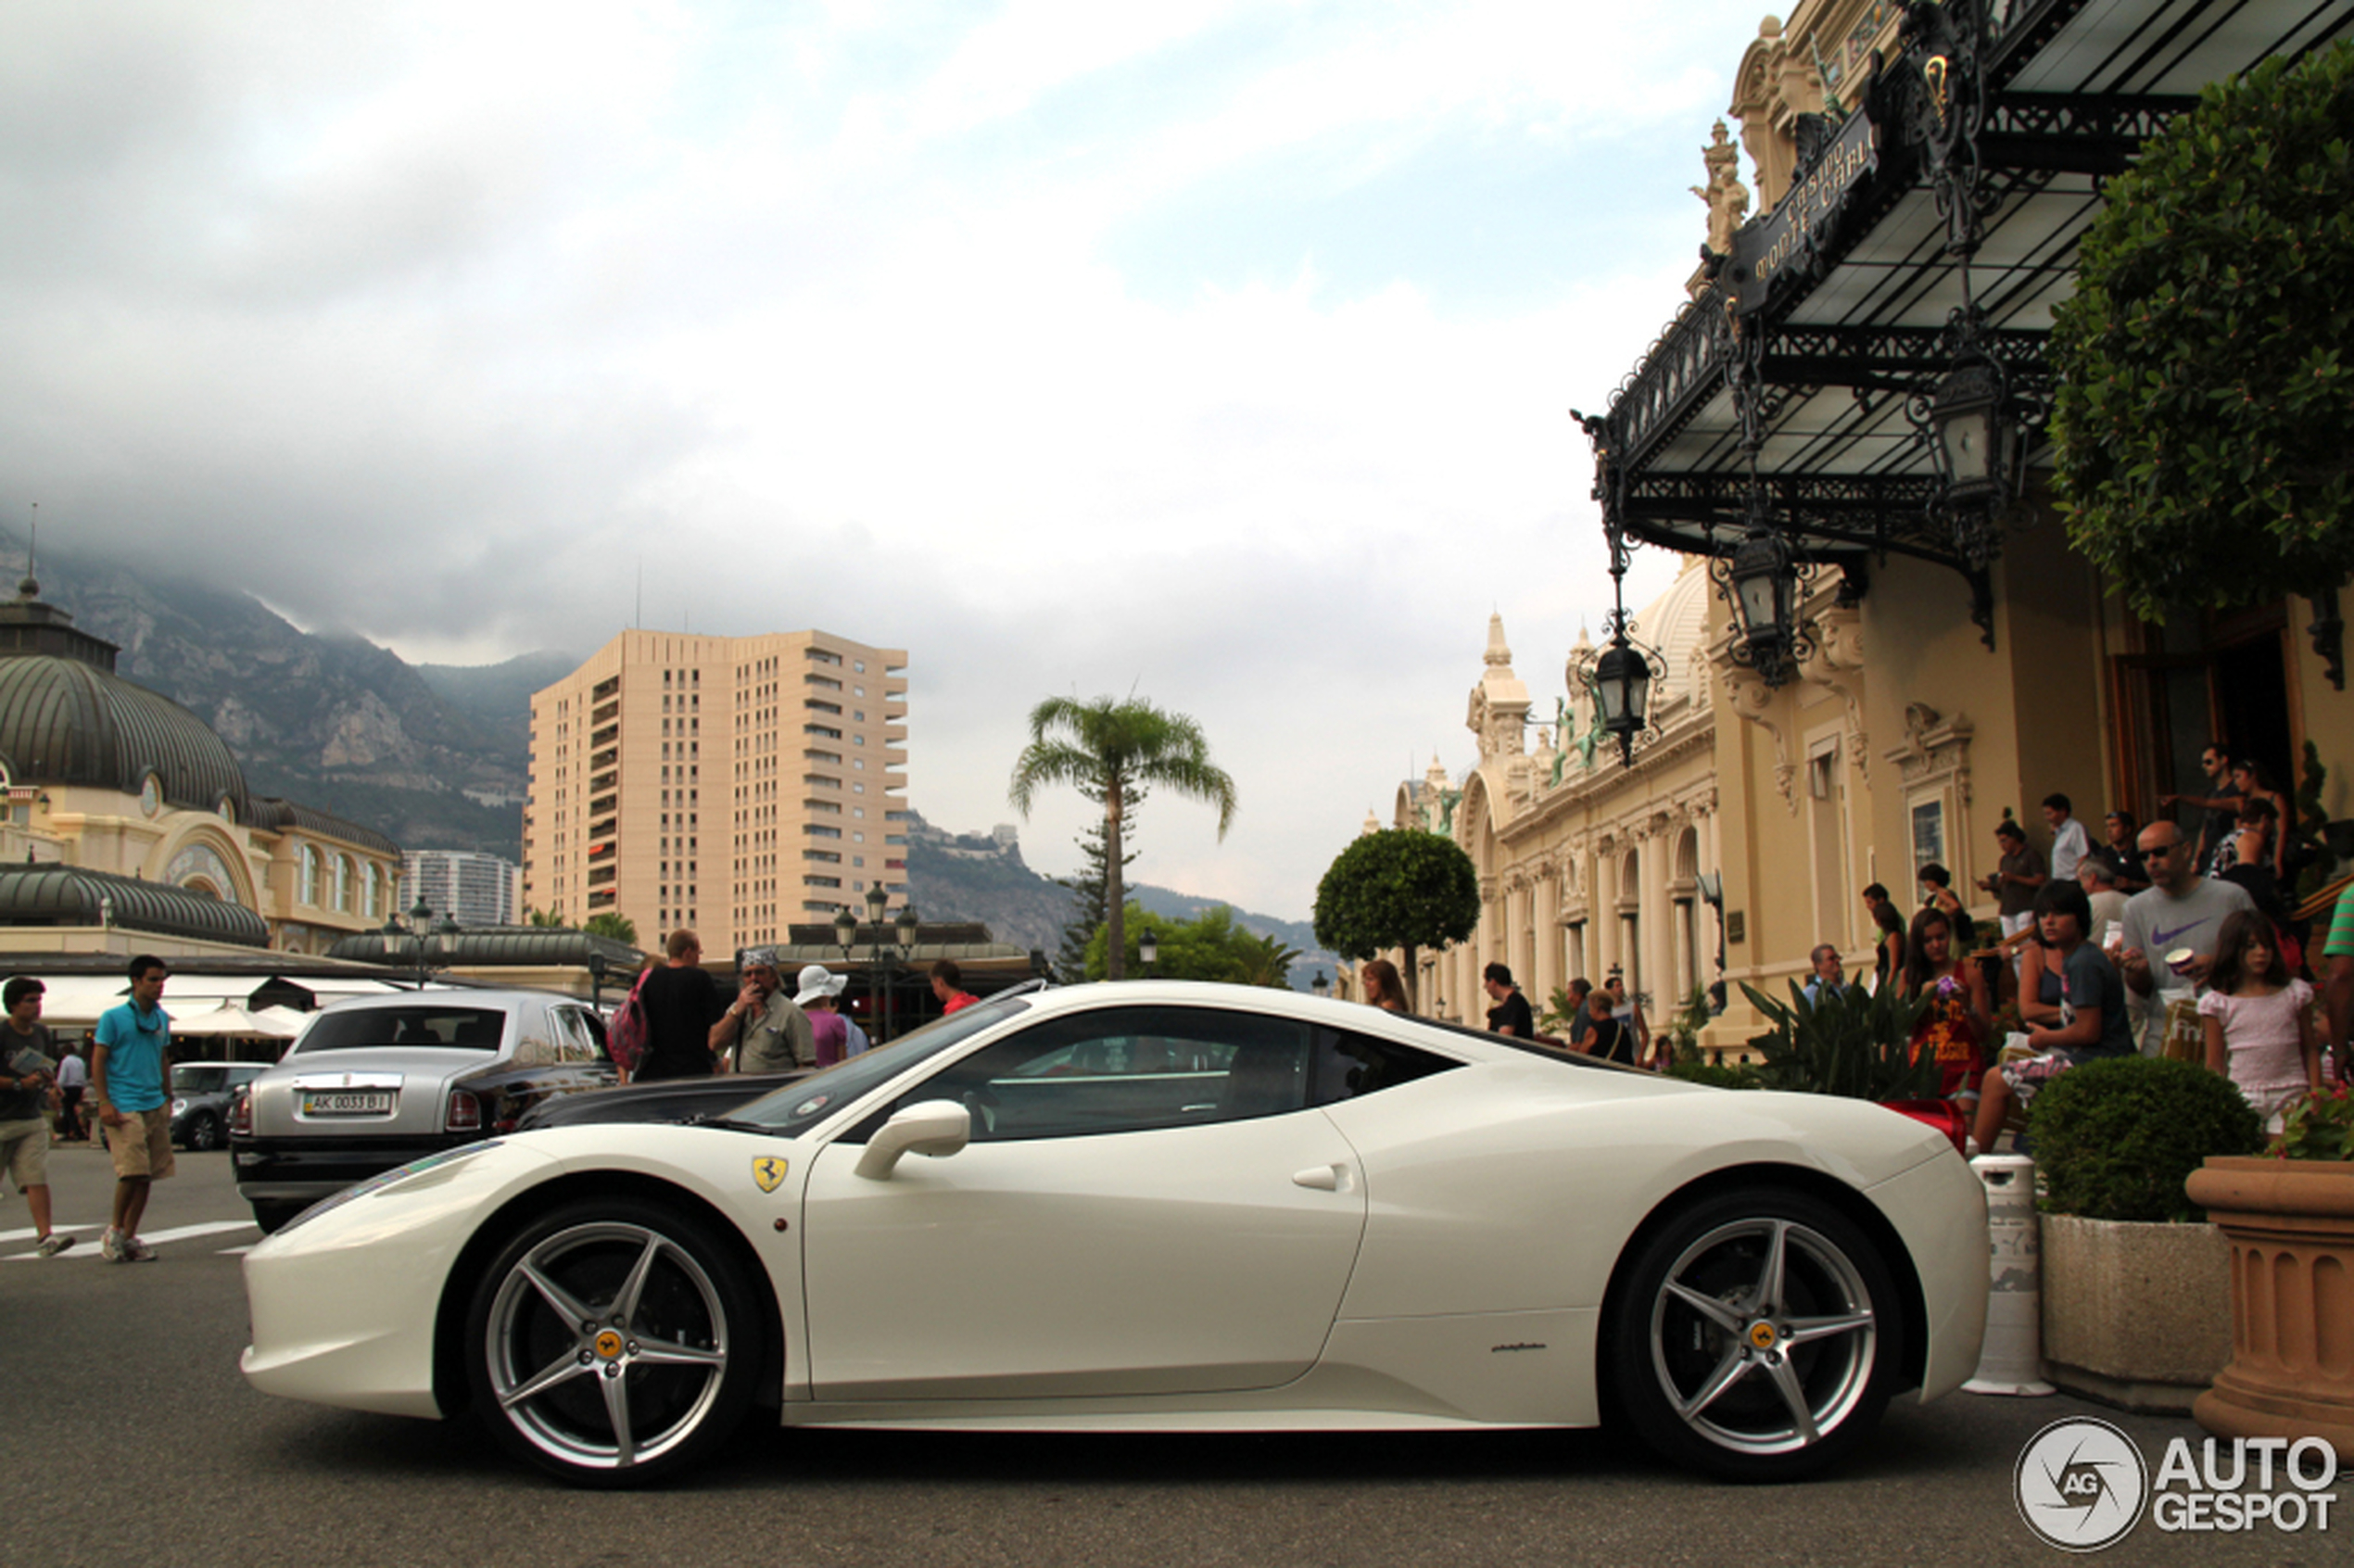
(2180, 960)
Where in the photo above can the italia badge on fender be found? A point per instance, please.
(768, 1170)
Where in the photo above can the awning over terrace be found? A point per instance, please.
(1837, 306)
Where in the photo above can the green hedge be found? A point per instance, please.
(2117, 1139)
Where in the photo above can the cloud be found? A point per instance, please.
(1221, 351)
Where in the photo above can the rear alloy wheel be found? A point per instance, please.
(1758, 1338)
(613, 1342)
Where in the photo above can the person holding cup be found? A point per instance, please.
(2172, 927)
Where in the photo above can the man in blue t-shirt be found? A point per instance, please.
(130, 1077)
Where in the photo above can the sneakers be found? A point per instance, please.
(116, 1247)
(55, 1243)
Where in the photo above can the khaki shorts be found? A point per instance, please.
(142, 1144)
(24, 1152)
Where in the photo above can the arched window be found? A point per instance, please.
(343, 883)
(309, 892)
(372, 889)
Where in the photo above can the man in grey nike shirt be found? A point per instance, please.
(2179, 909)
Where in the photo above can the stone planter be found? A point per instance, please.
(2135, 1314)
(2290, 1223)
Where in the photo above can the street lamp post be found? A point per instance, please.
(883, 965)
(409, 940)
(1148, 951)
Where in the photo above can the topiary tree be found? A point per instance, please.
(1398, 888)
(2117, 1139)
(2202, 422)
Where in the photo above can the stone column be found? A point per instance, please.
(1545, 974)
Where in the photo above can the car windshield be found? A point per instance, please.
(429, 1027)
(798, 1106)
(199, 1077)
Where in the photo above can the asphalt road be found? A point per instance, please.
(127, 1436)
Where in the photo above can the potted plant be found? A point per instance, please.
(2289, 1220)
(1846, 1040)
(2135, 1282)
(1853, 1042)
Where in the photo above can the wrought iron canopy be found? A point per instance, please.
(1832, 308)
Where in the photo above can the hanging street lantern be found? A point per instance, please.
(1967, 444)
(1622, 685)
(1761, 583)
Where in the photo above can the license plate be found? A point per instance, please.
(357, 1102)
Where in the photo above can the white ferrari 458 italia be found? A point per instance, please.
(1156, 1207)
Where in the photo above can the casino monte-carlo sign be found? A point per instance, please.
(1792, 234)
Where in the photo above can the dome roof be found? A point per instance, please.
(66, 720)
(71, 895)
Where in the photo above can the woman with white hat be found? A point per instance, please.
(820, 992)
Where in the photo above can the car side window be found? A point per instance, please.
(1347, 1066)
(1128, 1070)
(581, 1042)
(540, 1041)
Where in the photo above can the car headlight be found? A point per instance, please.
(179, 1106)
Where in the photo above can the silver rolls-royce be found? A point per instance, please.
(376, 1081)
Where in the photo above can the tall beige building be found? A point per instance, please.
(738, 785)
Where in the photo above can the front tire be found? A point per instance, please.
(204, 1133)
(613, 1343)
(1758, 1337)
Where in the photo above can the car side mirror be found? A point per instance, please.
(937, 1128)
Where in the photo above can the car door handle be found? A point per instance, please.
(1323, 1178)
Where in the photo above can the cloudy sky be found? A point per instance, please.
(1219, 352)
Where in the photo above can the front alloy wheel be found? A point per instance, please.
(612, 1343)
(1758, 1337)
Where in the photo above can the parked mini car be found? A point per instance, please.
(378, 1082)
(200, 1096)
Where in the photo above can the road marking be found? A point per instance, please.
(28, 1234)
(153, 1238)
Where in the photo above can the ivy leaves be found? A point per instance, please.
(2204, 424)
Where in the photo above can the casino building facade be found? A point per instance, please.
(1894, 652)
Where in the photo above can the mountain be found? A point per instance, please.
(437, 761)
(498, 697)
(982, 876)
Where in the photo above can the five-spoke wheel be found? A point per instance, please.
(1756, 1336)
(611, 1342)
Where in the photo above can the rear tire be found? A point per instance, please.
(1758, 1337)
(273, 1216)
(613, 1342)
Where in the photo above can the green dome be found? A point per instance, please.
(66, 720)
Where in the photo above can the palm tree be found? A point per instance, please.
(610, 924)
(1111, 751)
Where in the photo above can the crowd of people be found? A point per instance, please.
(2163, 940)
(693, 1029)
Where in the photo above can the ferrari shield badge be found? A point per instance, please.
(768, 1170)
